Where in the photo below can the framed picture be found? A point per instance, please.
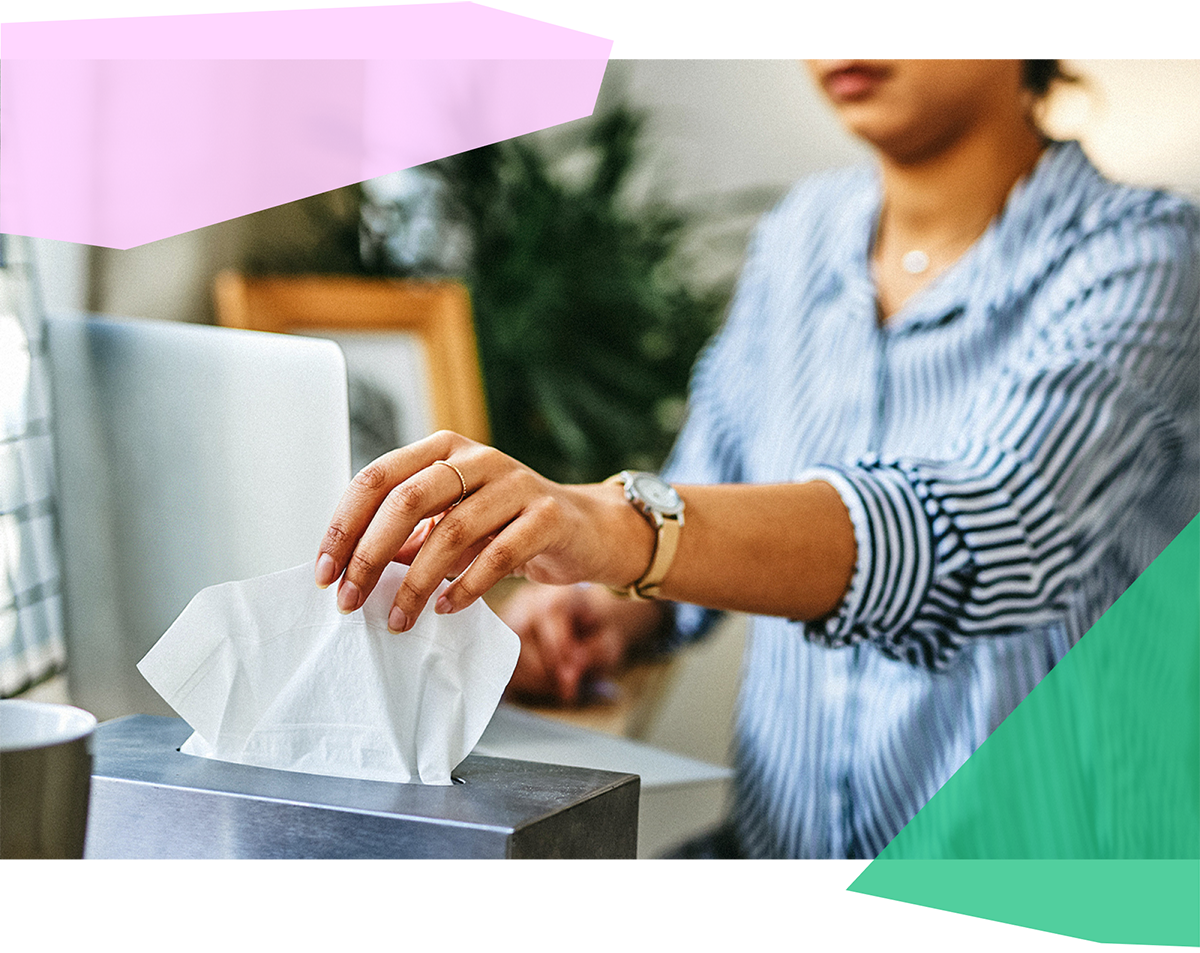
(410, 348)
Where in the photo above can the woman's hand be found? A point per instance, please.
(570, 634)
(783, 549)
(508, 520)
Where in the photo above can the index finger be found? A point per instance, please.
(366, 494)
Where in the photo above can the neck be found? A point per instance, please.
(941, 203)
(946, 199)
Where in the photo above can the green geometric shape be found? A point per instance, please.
(1100, 766)
(1109, 901)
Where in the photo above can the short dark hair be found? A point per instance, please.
(1039, 76)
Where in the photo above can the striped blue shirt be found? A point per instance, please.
(1014, 447)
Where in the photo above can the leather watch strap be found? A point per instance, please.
(664, 554)
(667, 521)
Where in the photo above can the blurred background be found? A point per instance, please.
(599, 256)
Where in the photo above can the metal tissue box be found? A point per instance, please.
(149, 800)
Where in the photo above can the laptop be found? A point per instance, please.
(187, 456)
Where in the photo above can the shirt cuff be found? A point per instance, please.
(895, 560)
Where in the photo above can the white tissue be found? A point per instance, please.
(267, 672)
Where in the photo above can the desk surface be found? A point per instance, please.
(624, 705)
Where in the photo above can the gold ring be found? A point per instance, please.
(461, 479)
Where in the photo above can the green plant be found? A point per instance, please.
(587, 324)
(314, 235)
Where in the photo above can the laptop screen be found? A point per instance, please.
(187, 456)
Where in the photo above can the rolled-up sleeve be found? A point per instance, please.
(1088, 426)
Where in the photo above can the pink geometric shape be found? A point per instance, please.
(592, 30)
(120, 153)
(129, 150)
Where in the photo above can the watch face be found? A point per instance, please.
(658, 495)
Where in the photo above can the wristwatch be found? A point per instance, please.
(662, 506)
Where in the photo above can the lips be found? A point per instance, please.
(854, 81)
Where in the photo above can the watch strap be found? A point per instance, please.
(667, 529)
(664, 554)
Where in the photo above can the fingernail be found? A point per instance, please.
(326, 570)
(348, 597)
(397, 620)
(443, 605)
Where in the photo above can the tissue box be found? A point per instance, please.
(149, 800)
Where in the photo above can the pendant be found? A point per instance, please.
(914, 262)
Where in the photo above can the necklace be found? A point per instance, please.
(915, 261)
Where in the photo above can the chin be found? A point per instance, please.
(878, 126)
(903, 138)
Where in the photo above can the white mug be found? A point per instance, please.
(45, 778)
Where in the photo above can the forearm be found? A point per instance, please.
(778, 549)
(783, 549)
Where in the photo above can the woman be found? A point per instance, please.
(951, 416)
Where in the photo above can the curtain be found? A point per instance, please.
(32, 646)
